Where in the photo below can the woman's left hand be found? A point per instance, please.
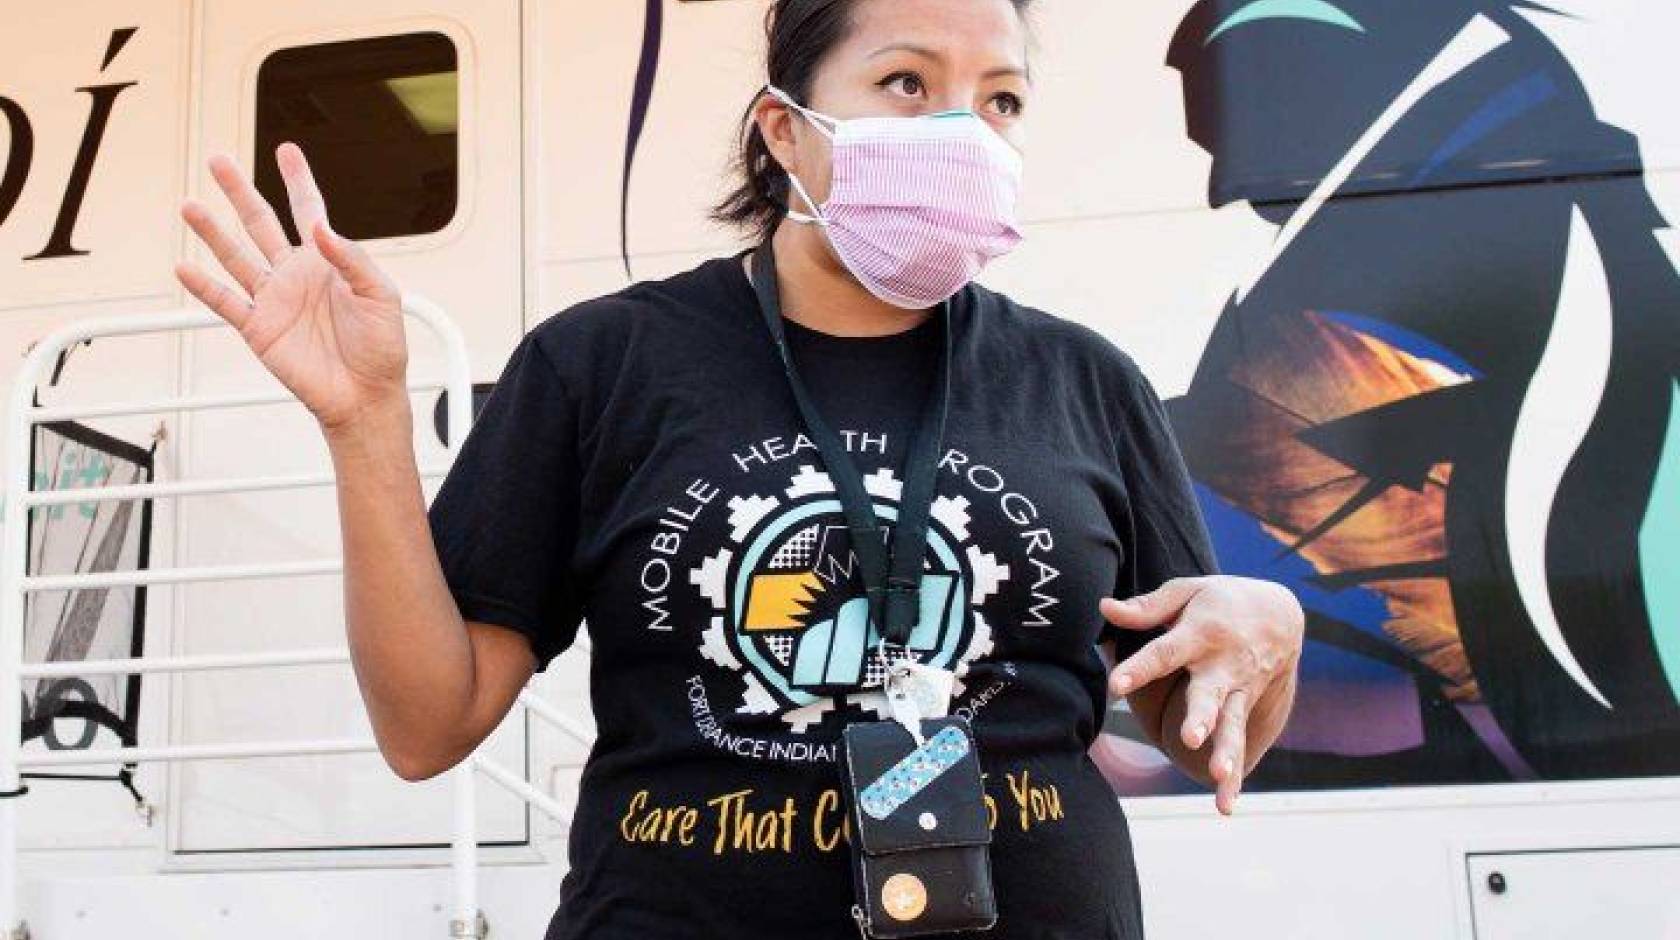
(1240, 640)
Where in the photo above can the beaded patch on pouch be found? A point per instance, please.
(912, 774)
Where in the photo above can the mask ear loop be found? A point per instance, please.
(816, 120)
(798, 216)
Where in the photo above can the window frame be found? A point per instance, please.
(466, 164)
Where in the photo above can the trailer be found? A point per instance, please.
(1403, 273)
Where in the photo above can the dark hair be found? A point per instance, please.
(799, 34)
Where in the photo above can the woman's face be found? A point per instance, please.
(905, 58)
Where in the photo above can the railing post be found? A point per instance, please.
(465, 922)
(14, 555)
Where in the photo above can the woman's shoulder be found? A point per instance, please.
(610, 327)
(694, 292)
(1022, 327)
(1086, 363)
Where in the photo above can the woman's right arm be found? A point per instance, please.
(328, 323)
(435, 685)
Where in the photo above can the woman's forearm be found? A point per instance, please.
(409, 647)
(1266, 721)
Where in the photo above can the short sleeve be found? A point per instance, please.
(1169, 535)
(505, 518)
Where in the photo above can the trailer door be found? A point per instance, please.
(410, 115)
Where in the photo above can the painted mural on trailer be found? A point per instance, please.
(1445, 408)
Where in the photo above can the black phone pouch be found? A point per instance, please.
(921, 840)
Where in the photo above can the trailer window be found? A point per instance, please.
(378, 120)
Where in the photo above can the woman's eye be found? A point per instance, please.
(1008, 103)
(907, 82)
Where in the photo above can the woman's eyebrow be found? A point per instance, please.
(935, 55)
(910, 47)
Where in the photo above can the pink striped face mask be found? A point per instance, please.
(916, 206)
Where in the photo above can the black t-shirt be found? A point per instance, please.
(642, 463)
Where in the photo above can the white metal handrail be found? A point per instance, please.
(15, 583)
(89, 494)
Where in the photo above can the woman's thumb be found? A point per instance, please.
(351, 260)
(1151, 608)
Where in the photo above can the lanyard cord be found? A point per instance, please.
(893, 584)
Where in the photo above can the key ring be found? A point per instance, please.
(888, 666)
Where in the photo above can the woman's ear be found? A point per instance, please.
(775, 122)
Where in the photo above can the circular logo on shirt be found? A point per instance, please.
(791, 614)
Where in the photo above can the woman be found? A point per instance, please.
(642, 461)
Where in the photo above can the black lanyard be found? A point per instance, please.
(893, 585)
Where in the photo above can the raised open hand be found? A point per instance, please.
(322, 317)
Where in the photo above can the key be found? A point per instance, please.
(905, 708)
(930, 687)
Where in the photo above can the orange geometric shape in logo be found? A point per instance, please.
(780, 601)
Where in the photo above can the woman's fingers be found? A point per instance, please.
(1203, 698)
(301, 191)
(353, 262)
(1228, 763)
(254, 211)
(241, 262)
(1162, 656)
(226, 303)
(1152, 609)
